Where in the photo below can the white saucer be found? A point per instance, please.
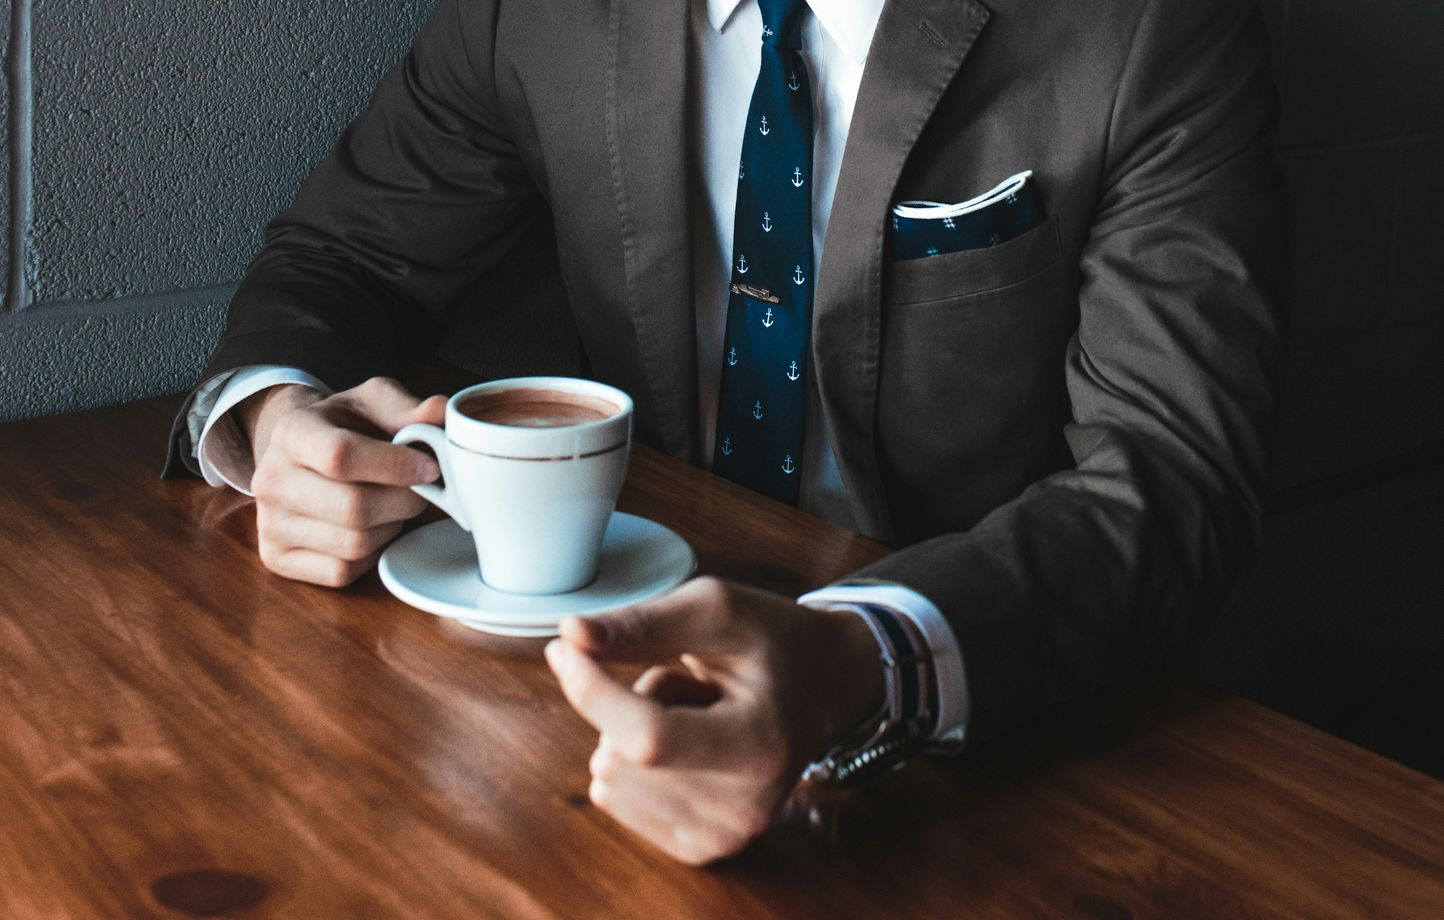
(434, 569)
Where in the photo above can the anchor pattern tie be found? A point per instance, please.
(762, 394)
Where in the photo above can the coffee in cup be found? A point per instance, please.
(536, 407)
(532, 467)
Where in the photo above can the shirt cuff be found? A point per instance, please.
(221, 447)
(954, 702)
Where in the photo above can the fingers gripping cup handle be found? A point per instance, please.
(443, 496)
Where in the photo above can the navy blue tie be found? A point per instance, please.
(762, 395)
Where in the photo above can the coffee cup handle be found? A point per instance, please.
(441, 496)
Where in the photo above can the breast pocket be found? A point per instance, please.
(971, 395)
(973, 271)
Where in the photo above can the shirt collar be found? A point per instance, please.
(850, 23)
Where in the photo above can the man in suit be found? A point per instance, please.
(1062, 431)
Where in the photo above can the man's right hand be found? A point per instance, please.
(331, 489)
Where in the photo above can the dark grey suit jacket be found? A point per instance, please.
(1064, 435)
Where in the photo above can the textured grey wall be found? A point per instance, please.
(162, 135)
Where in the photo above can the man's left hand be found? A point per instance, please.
(745, 689)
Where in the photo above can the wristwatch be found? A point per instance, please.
(903, 723)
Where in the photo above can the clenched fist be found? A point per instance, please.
(331, 489)
(745, 688)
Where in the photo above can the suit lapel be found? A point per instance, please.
(647, 94)
(918, 47)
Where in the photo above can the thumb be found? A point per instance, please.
(431, 410)
(389, 406)
(700, 618)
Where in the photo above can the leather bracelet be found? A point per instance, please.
(899, 727)
(925, 668)
(911, 664)
(891, 658)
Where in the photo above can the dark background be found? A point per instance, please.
(147, 142)
(1342, 624)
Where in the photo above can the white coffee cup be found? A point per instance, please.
(535, 499)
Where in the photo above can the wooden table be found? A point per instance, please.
(182, 734)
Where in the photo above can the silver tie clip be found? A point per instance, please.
(756, 293)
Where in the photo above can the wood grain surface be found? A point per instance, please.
(183, 734)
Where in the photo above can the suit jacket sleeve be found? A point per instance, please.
(421, 194)
(1094, 571)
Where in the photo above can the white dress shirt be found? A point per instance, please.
(726, 42)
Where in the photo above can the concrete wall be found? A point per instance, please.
(147, 143)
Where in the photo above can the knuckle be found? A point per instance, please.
(645, 753)
(264, 481)
(269, 542)
(368, 386)
(352, 510)
(379, 387)
(334, 455)
(601, 763)
(714, 593)
(335, 573)
(355, 545)
(600, 794)
(265, 520)
(270, 555)
(649, 747)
